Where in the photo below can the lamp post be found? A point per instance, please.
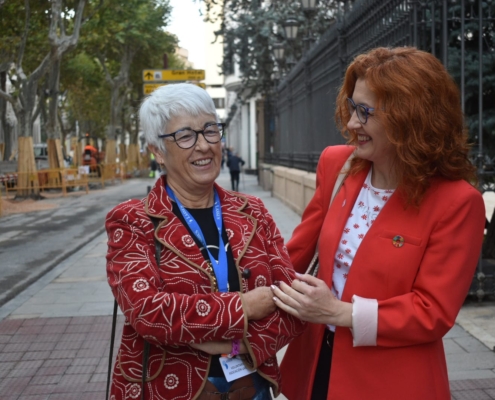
(291, 27)
(309, 8)
(278, 52)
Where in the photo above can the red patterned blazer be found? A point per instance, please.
(177, 303)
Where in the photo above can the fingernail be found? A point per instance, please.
(276, 283)
(298, 274)
(273, 287)
(275, 299)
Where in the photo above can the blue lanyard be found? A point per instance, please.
(220, 265)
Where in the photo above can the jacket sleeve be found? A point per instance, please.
(266, 336)
(164, 317)
(445, 273)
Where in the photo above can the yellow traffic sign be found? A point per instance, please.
(148, 88)
(173, 75)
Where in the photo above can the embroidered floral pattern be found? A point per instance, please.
(230, 233)
(188, 240)
(171, 381)
(260, 281)
(140, 285)
(203, 308)
(118, 234)
(134, 391)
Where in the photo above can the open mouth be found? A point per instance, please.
(363, 138)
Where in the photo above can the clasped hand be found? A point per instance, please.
(310, 299)
(257, 304)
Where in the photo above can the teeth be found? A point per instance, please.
(202, 162)
(363, 138)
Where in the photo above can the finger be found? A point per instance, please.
(309, 279)
(286, 295)
(284, 307)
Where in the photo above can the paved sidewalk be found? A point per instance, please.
(54, 336)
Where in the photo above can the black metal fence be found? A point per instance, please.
(460, 33)
(305, 104)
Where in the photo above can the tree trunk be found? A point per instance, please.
(111, 152)
(55, 157)
(27, 175)
(52, 125)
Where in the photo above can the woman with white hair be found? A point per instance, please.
(191, 266)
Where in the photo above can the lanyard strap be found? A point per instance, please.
(220, 265)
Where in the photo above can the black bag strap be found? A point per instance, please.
(146, 350)
(112, 341)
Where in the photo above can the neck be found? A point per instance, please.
(383, 178)
(199, 199)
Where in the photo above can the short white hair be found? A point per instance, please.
(170, 101)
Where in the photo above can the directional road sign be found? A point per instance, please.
(150, 75)
(148, 88)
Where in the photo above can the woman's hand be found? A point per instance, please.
(258, 303)
(310, 299)
(218, 347)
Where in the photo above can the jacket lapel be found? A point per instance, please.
(239, 225)
(335, 221)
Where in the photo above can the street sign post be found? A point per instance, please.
(148, 88)
(153, 75)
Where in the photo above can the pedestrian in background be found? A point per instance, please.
(180, 265)
(153, 166)
(398, 245)
(234, 162)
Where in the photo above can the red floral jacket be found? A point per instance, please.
(178, 303)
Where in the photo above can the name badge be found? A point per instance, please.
(235, 368)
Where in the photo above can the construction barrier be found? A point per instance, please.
(102, 173)
(46, 179)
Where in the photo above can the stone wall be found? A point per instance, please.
(293, 187)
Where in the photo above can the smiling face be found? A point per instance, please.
(371, 140)
(191, 170)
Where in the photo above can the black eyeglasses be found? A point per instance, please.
(362, 111)
(187, 137)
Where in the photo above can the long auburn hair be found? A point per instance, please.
(419, 106)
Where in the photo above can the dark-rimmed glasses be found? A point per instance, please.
(362, 111)
(186, 138)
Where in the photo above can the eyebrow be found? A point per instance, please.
(188, 127)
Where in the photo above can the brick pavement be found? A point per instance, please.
(55, 336)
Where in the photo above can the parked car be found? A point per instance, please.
(41, 155)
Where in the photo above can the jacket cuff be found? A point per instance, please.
(364, 321)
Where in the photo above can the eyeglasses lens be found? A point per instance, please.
(186, 138)
(360, 111)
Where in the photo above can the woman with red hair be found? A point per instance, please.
(398, 245)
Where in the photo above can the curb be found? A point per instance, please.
(25, 283)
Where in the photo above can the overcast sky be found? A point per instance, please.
(187, 24)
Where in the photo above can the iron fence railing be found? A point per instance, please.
(450, 29)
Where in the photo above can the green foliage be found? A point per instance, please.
(249, 30)
(12, 27)
(471, 65)
(88, 94)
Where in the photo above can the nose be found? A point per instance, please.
(354, 122)
(201, 142)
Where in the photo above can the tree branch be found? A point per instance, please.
(40, 71)
(108, 77)
(97, 8)
(7, 97)
(22, 49)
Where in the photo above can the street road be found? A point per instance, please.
(33, 243)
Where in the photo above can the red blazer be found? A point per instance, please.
(177, 303)
(420, 286)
